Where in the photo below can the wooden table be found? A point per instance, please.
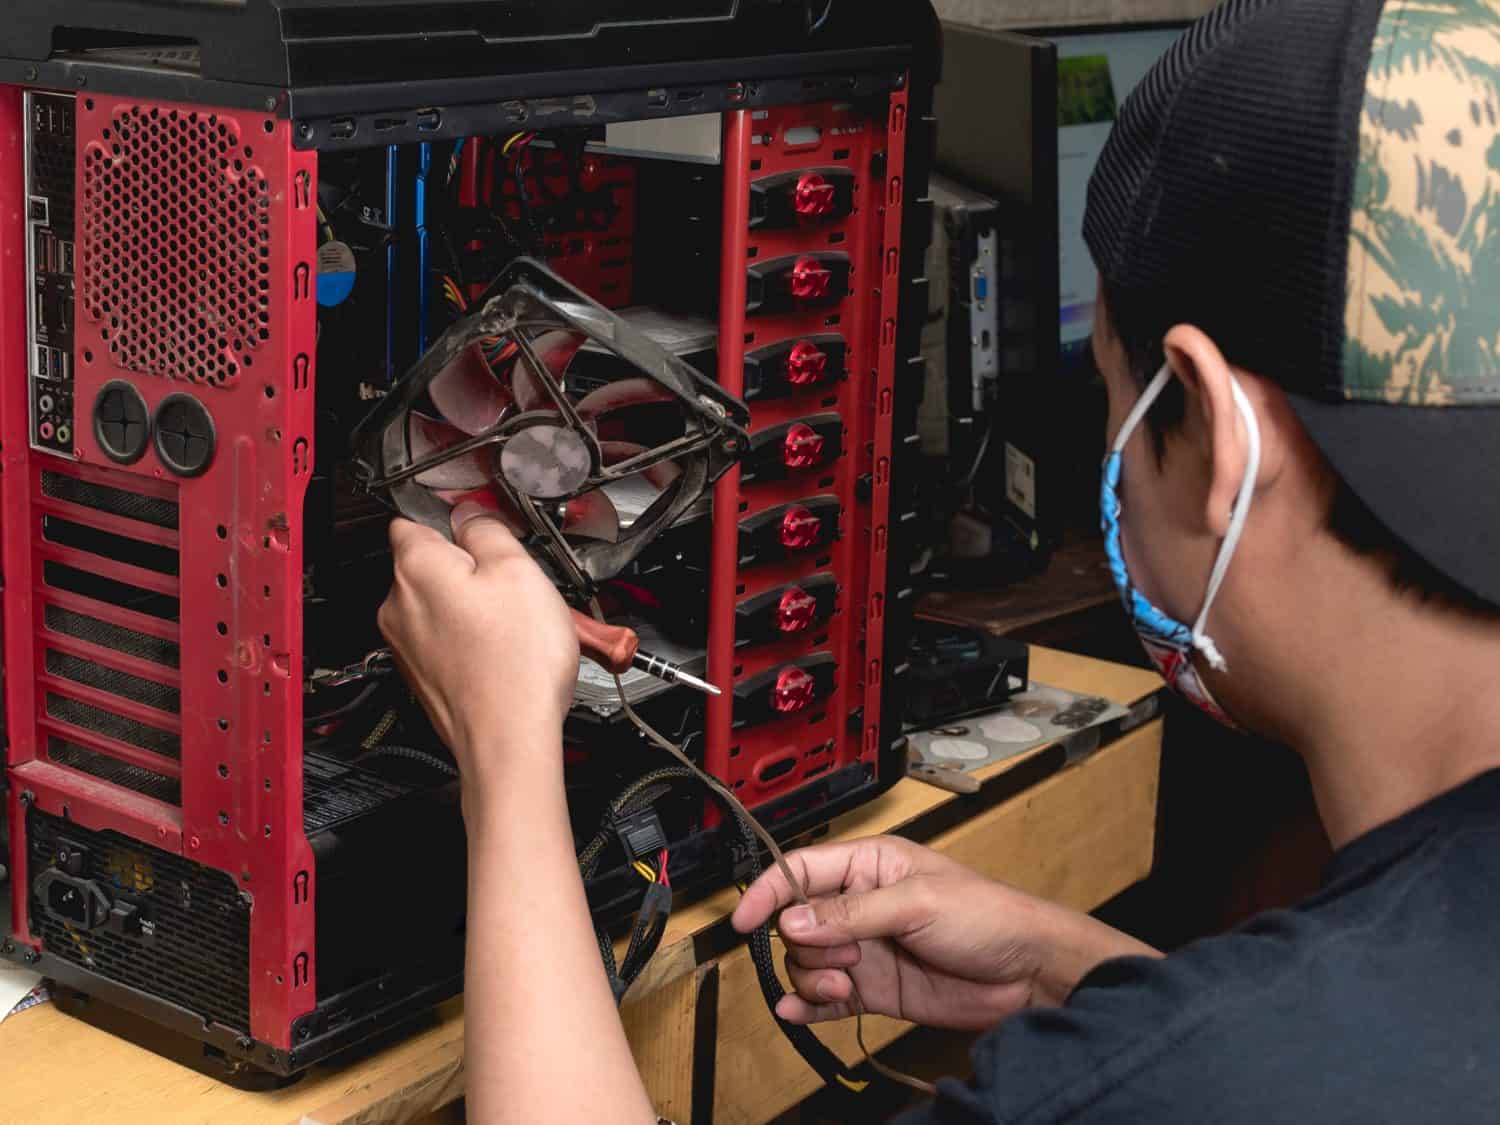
(1081, 834)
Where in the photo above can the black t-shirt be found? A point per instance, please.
(1377, 1000)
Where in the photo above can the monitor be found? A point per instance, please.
(1096, 71)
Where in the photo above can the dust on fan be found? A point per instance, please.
(491, 415)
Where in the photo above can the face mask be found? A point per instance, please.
(1168, 642)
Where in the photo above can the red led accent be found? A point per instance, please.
(815, 197)
(804, 447)
(807, 364)
(797, 611)
(800, 529)
(794, 691)
(810, 281)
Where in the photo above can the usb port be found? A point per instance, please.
(43, 243)
(43, 364)
(60, 364)
(67, 258)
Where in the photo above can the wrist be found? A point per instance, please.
(1078, 945)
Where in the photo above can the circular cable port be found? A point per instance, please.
(122, 422)
(185, 436)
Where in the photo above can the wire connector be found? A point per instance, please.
(641, 835)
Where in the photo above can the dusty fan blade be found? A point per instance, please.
(492, 502)
(429, 437)
(468, 394)
(592, 516)
(556, 349)
(621, 395)
(661, 475)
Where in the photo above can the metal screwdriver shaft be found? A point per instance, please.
(670, 673)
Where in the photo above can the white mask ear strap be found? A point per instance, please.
(1237, 519)
(1144, 403)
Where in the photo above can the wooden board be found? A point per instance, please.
(1081, 837)
(1078, 839)
(1064, 13)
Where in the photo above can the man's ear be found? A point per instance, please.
(1206, 378)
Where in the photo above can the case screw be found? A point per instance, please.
(31, 74)
(8, 948)
(270, 104)
(28, 797)
(32, 956)
(244, 1043)
(304, 1033)
(81, 80)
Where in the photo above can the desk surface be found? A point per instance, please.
(60, 1070)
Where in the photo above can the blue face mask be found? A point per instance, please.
(1170, 643)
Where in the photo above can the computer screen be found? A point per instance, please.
(1095, 74)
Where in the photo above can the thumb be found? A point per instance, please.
(842, 919)
(482, 535)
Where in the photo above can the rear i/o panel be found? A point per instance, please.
(50, 183)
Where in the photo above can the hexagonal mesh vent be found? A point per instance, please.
(176, 244)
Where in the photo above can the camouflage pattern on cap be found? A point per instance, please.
(1423, 318)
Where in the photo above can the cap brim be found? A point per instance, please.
(1427, 473)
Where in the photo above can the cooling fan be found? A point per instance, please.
(587, 477)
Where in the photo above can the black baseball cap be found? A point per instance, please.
(1316, 185)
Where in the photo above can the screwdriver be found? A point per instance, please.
(617, 649)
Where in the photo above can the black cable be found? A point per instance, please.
(431, 761)
(364, 696)
(815, 26)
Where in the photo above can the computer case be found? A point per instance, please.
(998, 104)
(224, 230)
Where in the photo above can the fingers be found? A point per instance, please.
(885, 912)
(832, 957)
(821, 986)
(821, 870)
(795, 1009)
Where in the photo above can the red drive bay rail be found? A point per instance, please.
(153, 625)
(810, 295)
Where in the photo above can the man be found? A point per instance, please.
(1298, 229)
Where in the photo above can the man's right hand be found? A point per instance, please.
(924, 938)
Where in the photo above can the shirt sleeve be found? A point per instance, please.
(1103, 1056)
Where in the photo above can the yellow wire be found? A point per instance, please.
(852, 1084)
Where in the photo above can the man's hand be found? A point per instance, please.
(924, 938)
(483, 638)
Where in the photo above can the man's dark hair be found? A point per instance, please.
(1350, 519)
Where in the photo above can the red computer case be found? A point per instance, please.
(172, 849)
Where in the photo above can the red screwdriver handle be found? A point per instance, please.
(612, 647)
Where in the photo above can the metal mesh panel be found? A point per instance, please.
(101, 497)
(123, 774)
(176, 244)
(198, 952)
(121, 729)
(333, 793)
(116, 637)
(126, 686)
(132, 552)
(60, 576)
